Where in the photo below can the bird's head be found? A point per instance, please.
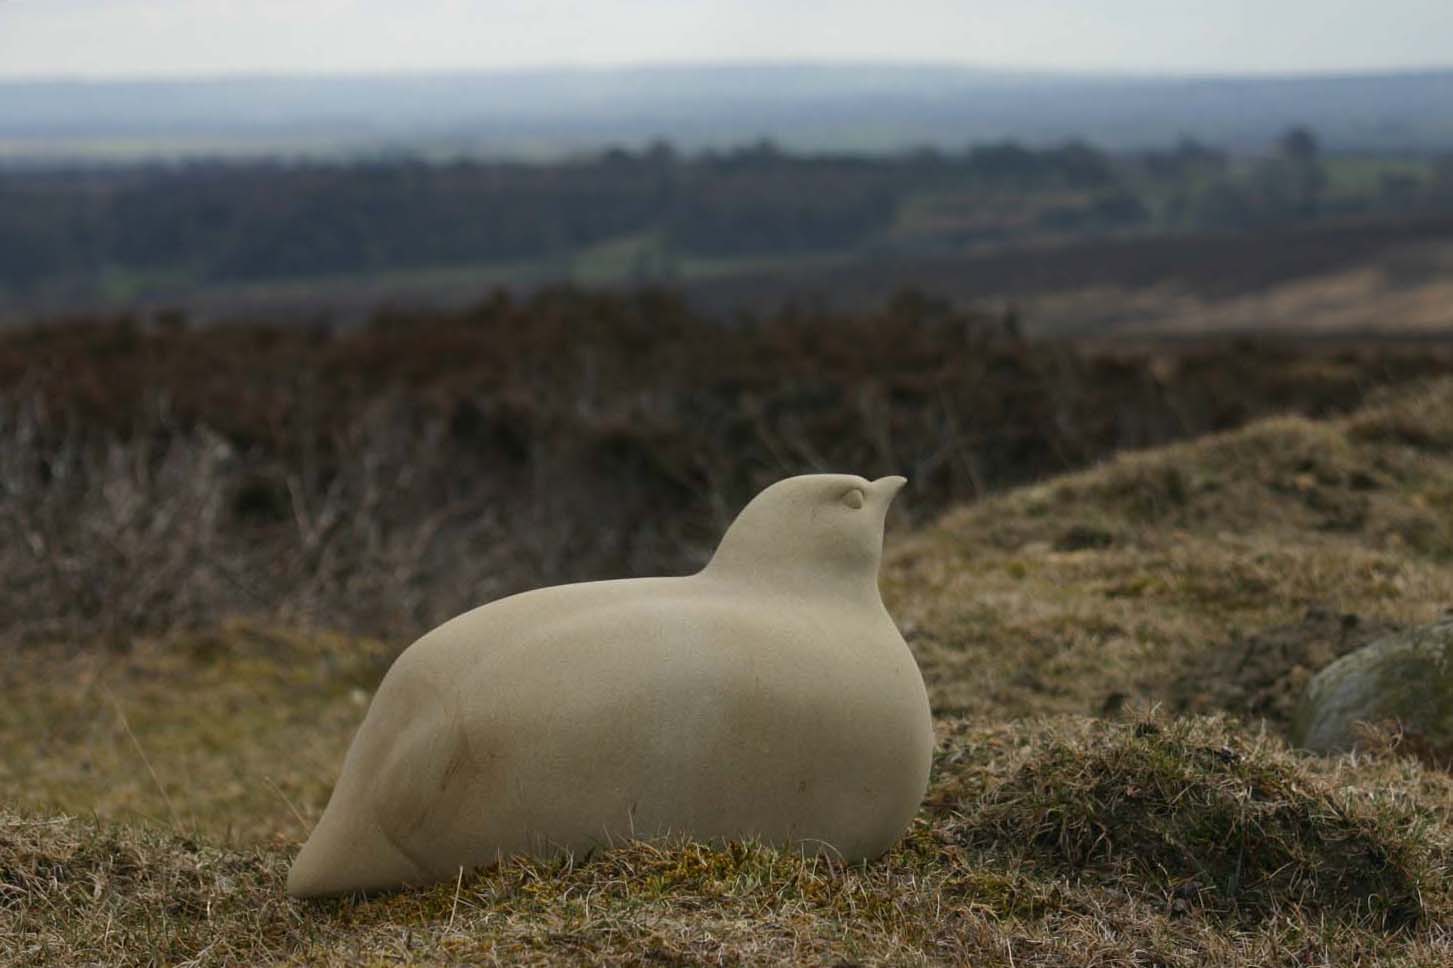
(817, 527)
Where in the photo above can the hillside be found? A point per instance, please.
(1353, 276)
(807, 106)
(153, 797)
(1157, 574)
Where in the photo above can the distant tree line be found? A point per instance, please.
(219, 222)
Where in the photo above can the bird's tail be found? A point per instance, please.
(349, 854)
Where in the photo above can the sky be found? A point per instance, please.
(169, 38)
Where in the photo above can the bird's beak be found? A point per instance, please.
(885, 487)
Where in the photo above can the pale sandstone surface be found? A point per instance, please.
(768, 696)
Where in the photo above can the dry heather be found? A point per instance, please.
(1075, 818)
(380, 480)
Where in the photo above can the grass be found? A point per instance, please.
(1111, 785)
(1192, 812)
(1232, 851)
(123, 735)
(618, 259)
(1112, 585)
(1362, 178)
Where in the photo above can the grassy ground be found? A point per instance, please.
(1079, 594)
(1111, 656)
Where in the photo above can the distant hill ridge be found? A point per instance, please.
(838, 106)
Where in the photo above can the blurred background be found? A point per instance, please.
(354, 314)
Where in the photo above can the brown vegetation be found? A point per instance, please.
(155, 476)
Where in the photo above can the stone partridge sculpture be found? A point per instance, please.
(768, 696)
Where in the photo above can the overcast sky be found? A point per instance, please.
(53, 38)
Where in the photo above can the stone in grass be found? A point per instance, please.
(1404, 681)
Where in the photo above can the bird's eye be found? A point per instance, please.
(854, 498)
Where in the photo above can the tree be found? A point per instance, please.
(1299, 144)
(1300, 154)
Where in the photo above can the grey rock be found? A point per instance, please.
(1405, 679)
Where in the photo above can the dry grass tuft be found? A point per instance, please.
(1188, 813)
(1065, 842)
(85, 892)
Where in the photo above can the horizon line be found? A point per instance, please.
(670, 66)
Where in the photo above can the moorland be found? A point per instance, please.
(1116, 565)
(1178, 423)
(1111, 654)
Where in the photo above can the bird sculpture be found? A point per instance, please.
(768, 696)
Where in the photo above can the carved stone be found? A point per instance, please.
(769, 695)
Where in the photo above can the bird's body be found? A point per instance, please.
(738, 702)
